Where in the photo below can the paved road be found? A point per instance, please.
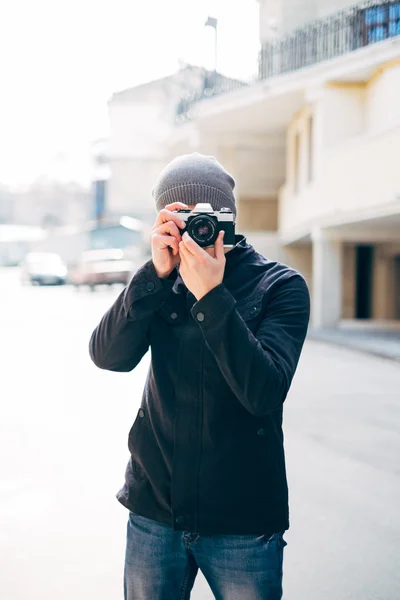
(63, 449)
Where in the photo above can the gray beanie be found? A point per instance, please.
(194, 178)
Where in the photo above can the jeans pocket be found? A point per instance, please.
(275, 537)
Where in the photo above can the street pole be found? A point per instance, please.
(216, 50)
(213, 22)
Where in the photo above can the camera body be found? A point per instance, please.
(203, 224)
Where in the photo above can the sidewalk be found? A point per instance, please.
(380, 339)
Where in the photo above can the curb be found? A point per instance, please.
(360, 349)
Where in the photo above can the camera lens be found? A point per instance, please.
(203, 230)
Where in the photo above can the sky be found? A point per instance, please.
(60, 61)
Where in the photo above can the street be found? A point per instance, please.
(63, 444)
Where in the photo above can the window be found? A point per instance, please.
(381, 22)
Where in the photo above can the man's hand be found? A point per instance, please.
(201, 272)
(165, 239)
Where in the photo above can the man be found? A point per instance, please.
(205, 485)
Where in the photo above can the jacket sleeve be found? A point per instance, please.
(120, 340)
(258, 368)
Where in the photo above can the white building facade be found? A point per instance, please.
(314, 147)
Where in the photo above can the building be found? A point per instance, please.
(314, 146)
(142, 120)
(16, 241)
(6, 205)
(70, 242)
(49, 203)
(100, 178)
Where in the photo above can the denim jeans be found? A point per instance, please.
(162, 564)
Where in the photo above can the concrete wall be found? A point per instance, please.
(267, 244)
(280, 17)
(258, 170)
(258, 214)
(349, 281)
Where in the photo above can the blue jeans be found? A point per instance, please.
(162, 564)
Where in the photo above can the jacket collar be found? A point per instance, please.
(241, 251)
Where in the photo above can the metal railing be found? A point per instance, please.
(343, 32)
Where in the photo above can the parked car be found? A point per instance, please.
(101, 267)
(43, 268)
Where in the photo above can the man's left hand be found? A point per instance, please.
(200, 271)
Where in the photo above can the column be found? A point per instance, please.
(381, 283)
(327, 280)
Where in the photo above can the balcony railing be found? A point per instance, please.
(343, 32)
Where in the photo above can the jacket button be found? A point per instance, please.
(261, 431)
(141, 413)
(200, 317)
(150, 286)
(174, 316)
(180, 520)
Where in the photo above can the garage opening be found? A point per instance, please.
(397, 287)
(364, 270)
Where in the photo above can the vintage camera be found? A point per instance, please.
(203, 224)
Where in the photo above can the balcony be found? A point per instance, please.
(341, 33)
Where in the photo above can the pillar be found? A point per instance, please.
(327, 280)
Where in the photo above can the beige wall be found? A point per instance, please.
(258, 214)
(383, 98)
(343, 108)
(355, 150)
(362, 174)
(300, 140)
(299, 257)
(384, 300)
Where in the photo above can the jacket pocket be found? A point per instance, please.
(136, 430)
(250, 309)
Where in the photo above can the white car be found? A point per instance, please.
(43, 268)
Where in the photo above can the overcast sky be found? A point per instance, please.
(61, 60)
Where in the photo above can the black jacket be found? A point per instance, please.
(206, 446)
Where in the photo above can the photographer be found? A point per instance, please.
(205, 484)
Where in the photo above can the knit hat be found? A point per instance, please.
(194, 178)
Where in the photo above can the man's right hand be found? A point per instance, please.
(165, 239)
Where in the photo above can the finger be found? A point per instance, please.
(219, 246)
(193, 247)
(169, 227)
(165, 215)
(164, 241)
(176, 206)
(186, 256)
